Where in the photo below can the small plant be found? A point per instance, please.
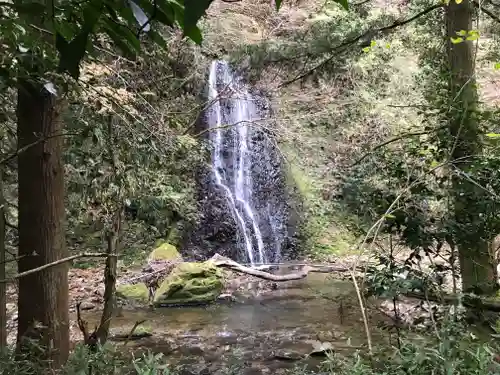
(151, 364)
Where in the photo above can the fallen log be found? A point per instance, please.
(223, 262)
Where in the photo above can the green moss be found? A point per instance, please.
(322, 231)
(190, 283)
(165, 251)
(137, 292)
(174, 236)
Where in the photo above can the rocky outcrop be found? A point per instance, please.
(217, 230)
(190, 283)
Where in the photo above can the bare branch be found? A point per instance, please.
(56, 263)
(220, 261)
(137, 324)
(24, 148)
(344, 45)
(394, 139)
(486, 11)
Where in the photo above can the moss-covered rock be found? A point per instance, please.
(165, 251)
(135, 292)
(190, 283)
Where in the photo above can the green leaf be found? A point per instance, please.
(277, 3)
(121, 36)
(458, 1)
(158, 39)
(389, 216)
(193, 11)
(61, 42)
(456, 40)
(118, 40)
(461, 33)
(72, 53)
(160, 9)
(366, 49)
(195, 35)
(343, 3)
(497, 66)
(493, 135)
(127, 14)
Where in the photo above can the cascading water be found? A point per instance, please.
(245, 167)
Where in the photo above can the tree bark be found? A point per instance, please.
(3, 287)
(109, 283)
(478, 268)
(43, 296)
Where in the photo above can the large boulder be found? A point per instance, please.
(190, 283)
(165, 252)
(133, 292)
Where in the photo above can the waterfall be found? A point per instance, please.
(242, 166)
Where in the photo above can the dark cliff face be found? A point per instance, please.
(217, 230)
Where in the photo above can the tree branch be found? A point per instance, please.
(392, 140)
(343, 46)
(24, 148)
(220, 261)
(486, 11)
(56, 263)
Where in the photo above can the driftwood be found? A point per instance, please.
(223, 262)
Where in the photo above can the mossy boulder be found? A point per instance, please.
(133, 292)
(166, 252)
(190, 283)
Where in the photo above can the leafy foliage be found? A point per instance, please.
(70, 30)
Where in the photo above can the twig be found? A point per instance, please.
(363, 314)
(137, 324)
(28, 146)
(56, 263)
(486, 11)
(394, 139)
(344, 45)
(225, 126)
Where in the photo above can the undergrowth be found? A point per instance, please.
(452, 349)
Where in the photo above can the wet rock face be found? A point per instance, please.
(217, 230)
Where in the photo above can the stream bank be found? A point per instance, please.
(268, 332)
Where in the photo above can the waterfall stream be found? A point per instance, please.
(240, 165)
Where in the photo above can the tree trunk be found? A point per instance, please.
(478, 268)
(110, 285)
(43, 296)
(3, 286)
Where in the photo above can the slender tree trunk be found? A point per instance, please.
(43, 296)
(3, 286)
(110, 289)
(113, 237)
(478, 268)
